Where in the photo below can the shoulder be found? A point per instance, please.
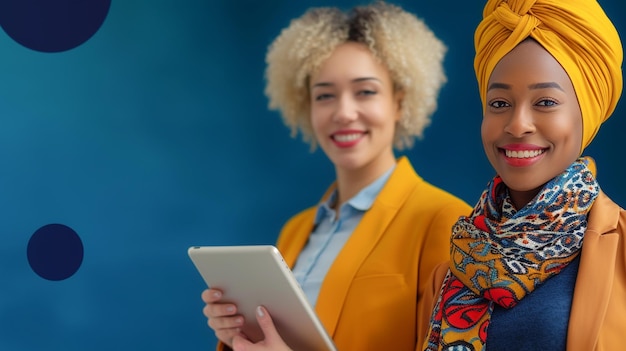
(300, 218)
(420, 203)
(428, 197)
(607, 217)
(294, 233)
(418, 193)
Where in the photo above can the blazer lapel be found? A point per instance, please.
(363, 240)
(595, 275)
(292, 244)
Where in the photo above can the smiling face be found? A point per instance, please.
(354, 110)
(532, 124)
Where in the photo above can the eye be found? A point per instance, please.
(320, 97)
(547, 103)
(496, 104)
(366, 92)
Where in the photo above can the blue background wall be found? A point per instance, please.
(154, 135)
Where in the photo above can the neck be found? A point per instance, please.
(351, 181)
(522, 198)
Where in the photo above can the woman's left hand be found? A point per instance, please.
(272, 340)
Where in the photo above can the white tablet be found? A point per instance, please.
(250, 276)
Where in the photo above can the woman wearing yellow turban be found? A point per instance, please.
(540, 264)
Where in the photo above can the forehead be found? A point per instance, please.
(350, 60)
(529, 63)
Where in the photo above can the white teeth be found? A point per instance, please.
(523, 153)
(344, 138)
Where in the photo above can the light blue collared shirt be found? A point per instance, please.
(330, 234)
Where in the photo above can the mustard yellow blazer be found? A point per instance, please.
(369, 298)
(597, 320)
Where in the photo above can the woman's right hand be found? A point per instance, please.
(222, 317)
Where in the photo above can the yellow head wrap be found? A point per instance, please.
(579, 36)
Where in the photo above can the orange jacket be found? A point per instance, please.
(598, 316)
(369, 298)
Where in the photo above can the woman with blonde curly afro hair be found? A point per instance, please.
(357, 84)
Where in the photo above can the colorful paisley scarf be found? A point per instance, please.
(499, 255)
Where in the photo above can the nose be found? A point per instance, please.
(520, 122)
(346, 110)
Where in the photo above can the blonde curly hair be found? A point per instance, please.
(402, 42)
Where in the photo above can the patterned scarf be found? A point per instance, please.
(499, 255)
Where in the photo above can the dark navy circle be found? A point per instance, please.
(55, 252)
(52, 25)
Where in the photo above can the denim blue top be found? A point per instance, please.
(330, 235)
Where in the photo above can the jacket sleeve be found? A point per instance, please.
(436, 248)
(426, 305)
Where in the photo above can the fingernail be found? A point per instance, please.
(259, 311)
(230, 309)
(217, 294)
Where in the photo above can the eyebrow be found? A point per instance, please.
(545, 85)
(356, 80)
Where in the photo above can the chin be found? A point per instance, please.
(346, 162)
(523, 183)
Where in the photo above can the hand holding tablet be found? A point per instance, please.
(252, 276)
